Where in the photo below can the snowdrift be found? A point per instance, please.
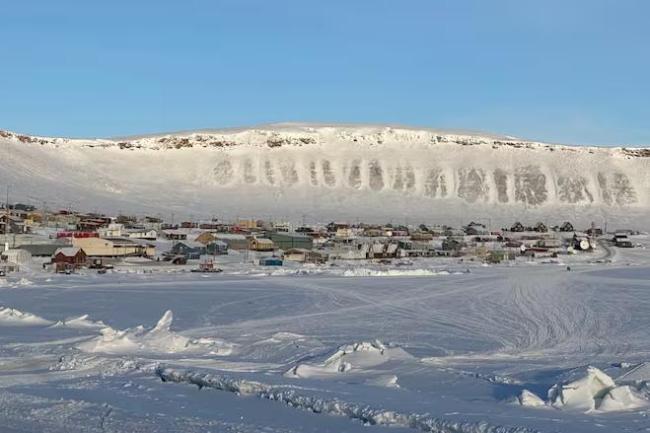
(360, 358)
(13, 317)
(158, 340)
(301, 400)
(594, 392)
(80, 322)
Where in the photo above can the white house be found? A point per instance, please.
(113, 230)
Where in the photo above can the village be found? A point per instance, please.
(67, 242)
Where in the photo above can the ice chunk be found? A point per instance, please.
(527, 398)
(583, 394)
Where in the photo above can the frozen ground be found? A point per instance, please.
(498, 349)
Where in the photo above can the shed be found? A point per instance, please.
(270, 261)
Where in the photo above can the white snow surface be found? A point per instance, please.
(324, 172)
(324, 352)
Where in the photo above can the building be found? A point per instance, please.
(194, 250)
(69, 259)
(260, 244)
(285, 241)
(270, 261)
(16, 255)
(175, 234)
(302, 255)
(113, 230)
(144, 234)
(205, 238)
(114, 247)
(41, 250)
(234, 241)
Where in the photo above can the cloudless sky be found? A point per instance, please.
(570, 71)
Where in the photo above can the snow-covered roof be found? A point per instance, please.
(68, 251)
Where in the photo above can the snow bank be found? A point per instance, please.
(13, 317)
(357, 357)
(80, 322)
(594, 392)
(159, 339)
(364, 272)
(366, 414)
(349, 272)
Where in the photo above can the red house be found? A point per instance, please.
(68, 259)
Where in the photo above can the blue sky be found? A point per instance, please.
(563, 71)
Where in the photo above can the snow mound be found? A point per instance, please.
(13, 317)
(159, 339)
(594, 392)
(80, 322)
(527, 398)
(621, 398)
(365, 272)
(356, 357)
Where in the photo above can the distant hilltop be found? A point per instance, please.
(378, 171)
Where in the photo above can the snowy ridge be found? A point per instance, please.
(362, 170)
(365, 414)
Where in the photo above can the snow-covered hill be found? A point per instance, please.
(321, 172)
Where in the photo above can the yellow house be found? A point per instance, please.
(113, 247)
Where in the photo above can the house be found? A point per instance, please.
(302, 255)
(247, 224)
(567, 227)
(69, 259)
(352, 251)
(113, 230)
(114, 247)
(285, 241)
(175, 234)
(344, 233)
(194, 250)
(422, 236)
(144, 234)
(270, 261)
(260, 244)
(380, 250)
(12, 224)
